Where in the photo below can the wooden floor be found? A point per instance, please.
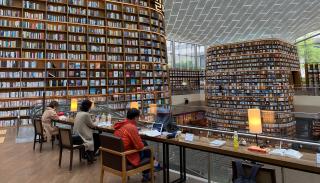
(19, 163)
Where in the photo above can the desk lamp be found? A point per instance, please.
(73, 106)
(153, 111)
(134, 105)
(255, 126)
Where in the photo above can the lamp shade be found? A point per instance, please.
(254, 116)
(153, 108)
(74, 105)
(134, 105)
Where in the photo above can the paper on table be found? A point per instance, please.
(277, 152)
(189, 137)
(318, 158)
(286, 152)
(218, 143)
(293, 154)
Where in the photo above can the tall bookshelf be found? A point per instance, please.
(183, 79)
(254, 74)
(108, 51)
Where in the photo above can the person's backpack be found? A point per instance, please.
(242, 178)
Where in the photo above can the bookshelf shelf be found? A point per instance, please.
(63, 41)
(254, 74)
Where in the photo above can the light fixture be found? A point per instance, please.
(134, 105)
(255, 126)
(74, 105)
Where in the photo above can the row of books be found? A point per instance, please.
(56, 8)
(32, 75)
(38, 16)
(10, 84)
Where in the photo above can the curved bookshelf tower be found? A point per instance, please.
(253, 74)
(105, 50)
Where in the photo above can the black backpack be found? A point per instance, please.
(242, 178)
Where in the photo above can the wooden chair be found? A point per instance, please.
(265, 175)
(38, 132)
(66, 142)
(113, 159)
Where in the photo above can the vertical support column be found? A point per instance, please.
(209, 167)
(197, 59)
(173, 54)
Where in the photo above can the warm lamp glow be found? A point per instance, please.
(74, 105)
(153, 108)
(134, 105)
(254, 116)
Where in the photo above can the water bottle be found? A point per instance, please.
(103, 118)
(109, 118)
(235, 141)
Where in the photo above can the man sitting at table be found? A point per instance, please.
(127, 130)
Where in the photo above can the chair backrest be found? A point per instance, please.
(65, 137)
(37, 123)
(265, 175)
(113, 143)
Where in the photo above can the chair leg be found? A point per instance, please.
(34, 141)
(80, 151)
(101, 174)
(152, 174)
(124, 178)
(41, 141)
(60, 156)
(71, 158)
(52, 141)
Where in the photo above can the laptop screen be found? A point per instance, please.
(157, 126)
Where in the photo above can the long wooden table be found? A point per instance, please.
(306, 164)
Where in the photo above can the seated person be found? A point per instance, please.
(83, 127)
(50, 114)
(127, 130)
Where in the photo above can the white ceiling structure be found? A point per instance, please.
(210, 22)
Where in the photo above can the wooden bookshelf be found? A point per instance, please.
(195, 118)
(185, 80)
(315, 130)
(254, 74)
(312, 74)
(108, 51)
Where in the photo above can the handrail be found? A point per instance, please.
(253, 135)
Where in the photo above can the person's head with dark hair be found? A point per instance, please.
(85, 105)
(54, 105)
(133, 114)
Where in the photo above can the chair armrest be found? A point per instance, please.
(111, 151)
(124, 153)
(135, 151)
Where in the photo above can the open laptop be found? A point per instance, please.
(155, 131)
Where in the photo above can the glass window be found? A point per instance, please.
(187, 55)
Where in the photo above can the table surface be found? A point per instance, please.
(307, 163)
